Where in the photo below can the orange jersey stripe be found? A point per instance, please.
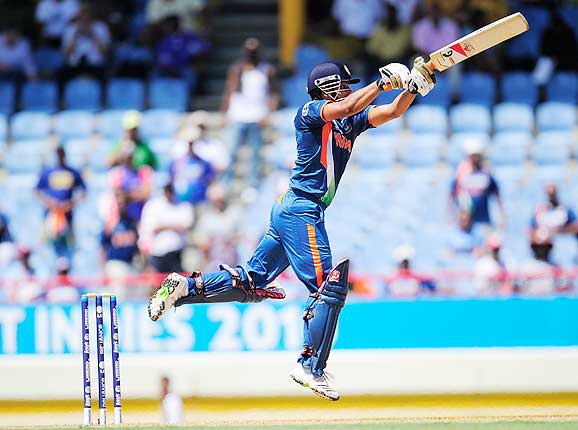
(325, 135)
(315, 253)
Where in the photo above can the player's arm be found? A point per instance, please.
(384, 113)
(393, 76)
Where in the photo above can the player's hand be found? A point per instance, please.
(394, 74)
(422, 78)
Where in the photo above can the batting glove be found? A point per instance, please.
(422, 78)
(394, 74)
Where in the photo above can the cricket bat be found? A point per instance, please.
(478, 41)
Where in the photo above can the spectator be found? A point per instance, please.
(61, 289)
(16, 63)
(390, 41)
(404, 282)
(434, 31)
(86, 44)
(163, 230)
(118, 242)
(134, 58)
(473, 185)
(56, 189)
(191, 175)
(136, 183)
(142, 154)
(357, 17)
(8, 249)
(207, 146)
(405, 9)
(178, 50)
(171, 404)
(553, 217)
(250, 95)
(490, 275)
(22, 284)
(559, 44)
(53, 17)
(188, 12)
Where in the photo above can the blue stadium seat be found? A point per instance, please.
(73, 124)
(48, 60)
(125, 93)
(169, 93)
(30, 125)
(109, 124)
(39, 96)
(294, 92)
(7, 97)
(548, 138)
(519, 87)
(441, 95)
(470, 118)
(509, 148)
(82, 94)
(556, 116)
(422, 150)
(538, 17)
(307, 56)
(427, 119)
(513, 117)
(3, 128)
(524, 46)
(478, 88)
(160, 123)
(375, 152)
(551, 153)
(563, 87)
(26, 156)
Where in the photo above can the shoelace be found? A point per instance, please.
(327, 378)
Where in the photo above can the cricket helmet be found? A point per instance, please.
(326, 78)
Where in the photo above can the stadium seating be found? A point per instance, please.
(478, 88)
(82, 94)
(563, 87)
(48, 61)
(427, 119)
(109, 124)
(513, 117)
(552, 148)
(169, 93)
(523, 46)
(455, 150)
(39, 96)
(125, 93)
(294, 92)
(509, 148)
(556, 116)
(307, 56)
(26, 156)
(470, 118)
(374, 152)
(441, 95)
(3, 129)
(30, 125)
(422, 150)
(518, 87)
(73, 124)
(7, 97)
(159, 123)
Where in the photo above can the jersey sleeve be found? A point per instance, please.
(361, 120)
(309, 115)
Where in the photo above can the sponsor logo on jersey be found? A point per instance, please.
(334, 276)
(341, 141)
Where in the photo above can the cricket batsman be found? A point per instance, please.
(325, 129)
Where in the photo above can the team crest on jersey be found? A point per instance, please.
(343, 125)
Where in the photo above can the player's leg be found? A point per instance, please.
(228, 284)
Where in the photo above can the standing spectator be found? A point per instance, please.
(171, 404)
(86, 45)
(191, 175)
(163, 230)
(16, 63)
(434, 31)
(559, 44)
(142, 154)
(187, 10)
(250, 95)
(178, 50)
(53, 17)
(404, 282)
(553, 217)
(357, 17)
(118, 242)
(490, 275)
(473, 185)
(56, 190)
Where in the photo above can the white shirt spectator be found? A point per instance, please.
(427, 37)
(159, 217)
(55, 15)
(358, 17)
(250, 103)
(16, 55)
(172, 406)
(86, 45)
(157, 10)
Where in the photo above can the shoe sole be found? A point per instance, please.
(300, 382)
(317, 392)
(170, 285)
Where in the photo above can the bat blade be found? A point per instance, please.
(478, 41)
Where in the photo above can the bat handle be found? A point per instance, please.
(387, 87)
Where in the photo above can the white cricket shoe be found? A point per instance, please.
(173, 287)
(300, 374)
(320, 385)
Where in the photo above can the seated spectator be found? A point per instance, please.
(490, 274)
(62, 289)
(135, 183)
(53, 17)
(473, 185)
(389, 42)
(178, 50)
(404, 282)
(405, 9)
(8, 249)
(188, 12)
(434, 31)
(191, 175)
(118, 242)
(553, 217)
(86, 44)
(22, 284)
(357, 17)
(163, 229)
(16, 63)
(56, 189)
(142, 154)
(134, 58)
(339, 46)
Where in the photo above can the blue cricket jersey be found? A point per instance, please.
(323, 149)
